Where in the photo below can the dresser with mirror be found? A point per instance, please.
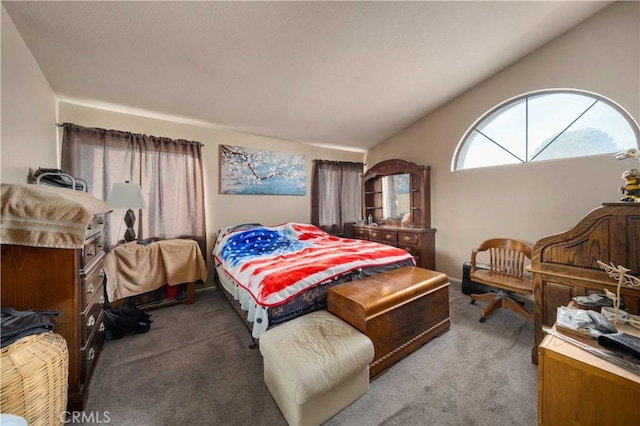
(396, 198)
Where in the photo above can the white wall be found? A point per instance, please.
(29, 110)
(527, 201)
(220, 209)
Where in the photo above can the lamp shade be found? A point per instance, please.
(126, 196)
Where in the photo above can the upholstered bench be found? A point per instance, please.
(315, 366)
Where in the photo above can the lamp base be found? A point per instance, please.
(129, 220)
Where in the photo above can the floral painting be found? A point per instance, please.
(258, 172)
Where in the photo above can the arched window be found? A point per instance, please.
(546, 125)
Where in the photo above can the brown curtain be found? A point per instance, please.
(168, 171)
(336, 194)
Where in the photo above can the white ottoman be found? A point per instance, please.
(315, 366)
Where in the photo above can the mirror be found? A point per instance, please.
(395, 192)
(396, 202)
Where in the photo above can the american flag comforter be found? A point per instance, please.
(276, 263)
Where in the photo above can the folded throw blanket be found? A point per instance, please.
(45, 216)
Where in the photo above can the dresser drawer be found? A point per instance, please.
(412, 250)
(91, 282)
(90, 317)
(405, 238)
(93, 249)
(361, 233)
(96, 226)
(89, 353)
(383, 236)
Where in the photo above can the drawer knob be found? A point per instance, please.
(388, 237)
(102, 327)
(101, 220)
(102, 299)
(90, 288)
(91, 355)
(91, 321)
(100, 244)
(102, 273)
(91, 250)
(90, 225)
(406, 238)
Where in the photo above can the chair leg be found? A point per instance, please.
(500, 300)
(494, 305)
(516, 306)
(485, 297)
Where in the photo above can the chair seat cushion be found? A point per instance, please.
(314, 353)
(505, 282)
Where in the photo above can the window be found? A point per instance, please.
(336, 194)
(168, 171)
(546, 125)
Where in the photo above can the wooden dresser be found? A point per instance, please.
(69, 281)
(421, 243)
(396, 195)
(565, 265)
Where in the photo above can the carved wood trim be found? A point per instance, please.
(393, 167)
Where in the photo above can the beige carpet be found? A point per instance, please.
(194, 367)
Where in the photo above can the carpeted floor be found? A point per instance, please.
(194, 367)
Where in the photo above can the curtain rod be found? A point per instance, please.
(131, 133)
(339, 162)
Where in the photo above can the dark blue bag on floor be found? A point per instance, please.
(124, 320)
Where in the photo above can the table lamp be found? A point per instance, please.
(127, 196)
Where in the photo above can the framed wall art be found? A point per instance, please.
(247, 171)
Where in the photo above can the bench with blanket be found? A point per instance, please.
(134, 269)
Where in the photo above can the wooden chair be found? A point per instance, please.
(505, 273)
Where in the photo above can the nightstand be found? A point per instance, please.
(578, 387)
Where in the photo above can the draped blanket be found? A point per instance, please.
(276, 263)
(133, 268)
(45, 216)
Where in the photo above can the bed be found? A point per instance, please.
(272, 274)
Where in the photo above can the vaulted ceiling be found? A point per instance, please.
(338, 73)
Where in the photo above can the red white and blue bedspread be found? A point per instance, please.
(276, 263)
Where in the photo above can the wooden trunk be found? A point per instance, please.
(399, 311)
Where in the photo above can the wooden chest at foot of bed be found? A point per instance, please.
(399, 310)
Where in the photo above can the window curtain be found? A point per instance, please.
(336, 194)
(168, 171)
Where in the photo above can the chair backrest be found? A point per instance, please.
(507, 256)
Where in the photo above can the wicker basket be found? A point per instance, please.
(35, 372)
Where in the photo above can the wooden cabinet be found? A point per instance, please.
(565, 265)
(578, 387)
(420, 243)
(397, 196)
(413, 194)
(69, 281)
